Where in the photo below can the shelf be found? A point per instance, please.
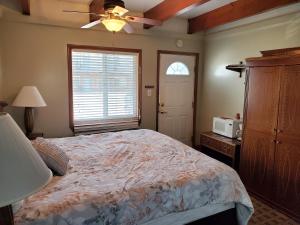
(237, 68)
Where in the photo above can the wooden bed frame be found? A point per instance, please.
(227, 217)
(6, 216)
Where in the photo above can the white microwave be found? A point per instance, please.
(226, 127)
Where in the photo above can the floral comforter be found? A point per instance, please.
(132, 177)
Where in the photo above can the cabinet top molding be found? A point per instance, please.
(281, 52)
(277, 57)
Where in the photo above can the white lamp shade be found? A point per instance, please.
(22, 171)
(29, 96)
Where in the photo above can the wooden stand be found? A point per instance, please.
(28, 120)
(2, 105)
(34, 136)
(6, 215)
(227, 147)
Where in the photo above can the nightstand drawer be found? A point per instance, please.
(218, 146)
(227, 149)
(230, 148)
(34, 136)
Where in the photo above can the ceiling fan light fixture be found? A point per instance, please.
(114, 25)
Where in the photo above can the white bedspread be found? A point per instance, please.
(132, 177)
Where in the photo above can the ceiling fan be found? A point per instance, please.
(114, 18)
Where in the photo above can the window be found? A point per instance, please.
(178, 68)
(104, 88)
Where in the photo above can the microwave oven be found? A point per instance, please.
(226, 127)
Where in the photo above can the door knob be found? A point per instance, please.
(278, 130)
(163, 112)
(276, 142)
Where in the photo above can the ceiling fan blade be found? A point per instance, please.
(119, 11)
(128, 28)
(74, 11)
(92, 24)
(89, 13)
(143, 20)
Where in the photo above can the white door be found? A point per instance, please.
(176, 96)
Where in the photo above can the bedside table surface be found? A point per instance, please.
(218, 137)
(33, 136)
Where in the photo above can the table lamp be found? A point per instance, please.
(29, 97)
(22, 171)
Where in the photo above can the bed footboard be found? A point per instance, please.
(227, 217)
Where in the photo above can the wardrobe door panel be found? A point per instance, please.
(257, 162)
(287, 176)
(289, 108)
(287, 155)
(258, 148)
(263, 99)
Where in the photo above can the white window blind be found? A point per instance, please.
(105, 90)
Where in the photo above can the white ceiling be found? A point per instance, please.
(206, 7)
(78, 1)
(144, 5)
(141, 5)
(133, 5)
(52, 11)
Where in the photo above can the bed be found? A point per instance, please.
(135, 177)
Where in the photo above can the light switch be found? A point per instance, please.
(149, 92)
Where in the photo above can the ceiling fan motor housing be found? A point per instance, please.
(110, 4)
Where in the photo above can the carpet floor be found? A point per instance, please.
(265, 215)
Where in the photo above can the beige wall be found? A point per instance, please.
(1, 66)
(222, 91)
(37, 55)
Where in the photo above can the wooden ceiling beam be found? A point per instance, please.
(233, 12)
(170, 8)
(25, 6)
(96, 6)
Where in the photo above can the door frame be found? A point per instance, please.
(196, 55)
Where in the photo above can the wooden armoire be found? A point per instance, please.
(270, 156)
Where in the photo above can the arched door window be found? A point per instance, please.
(178, 69)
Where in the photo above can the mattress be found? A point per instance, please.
(134, 177)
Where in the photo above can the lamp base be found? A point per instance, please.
(28, 120)
(6, 215)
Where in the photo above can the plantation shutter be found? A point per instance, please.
(105, 90)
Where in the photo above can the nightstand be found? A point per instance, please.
(34, 136)
(222, 148)
(2, 105)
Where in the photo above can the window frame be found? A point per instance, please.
(71, 47)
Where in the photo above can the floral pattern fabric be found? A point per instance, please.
(132, 177)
